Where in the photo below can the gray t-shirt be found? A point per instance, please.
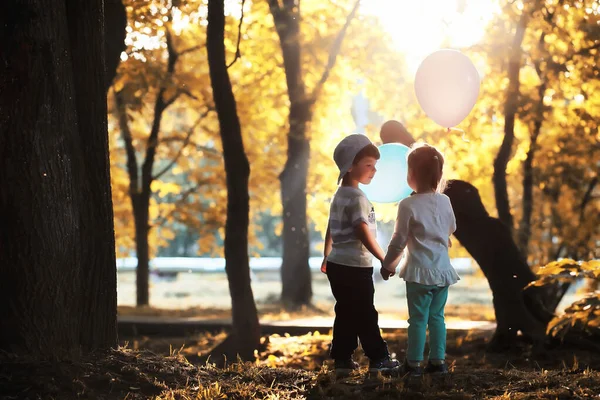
(349, 208)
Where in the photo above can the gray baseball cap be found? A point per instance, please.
(346, 151)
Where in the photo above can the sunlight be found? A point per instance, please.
(421, 27)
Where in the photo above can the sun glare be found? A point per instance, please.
(420, 27)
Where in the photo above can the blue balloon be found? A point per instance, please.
(389, 184)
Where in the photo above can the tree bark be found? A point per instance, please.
(295, 271)
(245, 338)
(510, 111)
(141, 204)
(525, 225)
(86, 36)
(114, 38)
(490, 243)
(57, 260)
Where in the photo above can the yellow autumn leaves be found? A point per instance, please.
(192, 192)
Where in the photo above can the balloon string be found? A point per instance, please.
(464, 138)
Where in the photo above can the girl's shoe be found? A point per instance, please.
(410, 370)
(440, 369)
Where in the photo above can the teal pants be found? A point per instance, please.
(426, 309)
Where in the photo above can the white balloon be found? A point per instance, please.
(447, 86)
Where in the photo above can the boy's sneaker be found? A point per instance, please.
(345, 367)
(410, 370)
(440, 369)
(386, 364)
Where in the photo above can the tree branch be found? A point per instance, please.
(132, 167)
(587, 197)
(190, 94)
(193, 48)
(237, 48)
(510, 111)
(178, 94)
(289, 4)
(159, 107)
(173, 56)
(184, 196)
(186, 141)
(334, 52)
(172, 99)
(274, 5)
(586, 50)
(210, 150)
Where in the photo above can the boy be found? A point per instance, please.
(349, 249)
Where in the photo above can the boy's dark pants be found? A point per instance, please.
(355, 314)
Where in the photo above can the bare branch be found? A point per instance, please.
(132, 166)
(189, 94)
(173, 56)
(172, 99)
(586, 51)
(186, 141)
(191, 49)
(184, 196)
(587, 197)
(274, 5)
(335, 50)
(199, 147)
(289, 4)
(237, 48)
(180, 92)
(159, 107)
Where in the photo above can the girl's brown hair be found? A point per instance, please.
(427, 165)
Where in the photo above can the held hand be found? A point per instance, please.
(385, 274)
(324, 265)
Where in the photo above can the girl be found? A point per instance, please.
(424, 224)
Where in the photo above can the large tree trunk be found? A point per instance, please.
(57, 260)
(115, 16)
(295, 271)
(245, 338)
(141, 204)
(86, 36)
(510, 111)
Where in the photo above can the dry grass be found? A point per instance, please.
(298, 367)
(129, 374)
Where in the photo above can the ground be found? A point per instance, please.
(295, 367)
(298, 367)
